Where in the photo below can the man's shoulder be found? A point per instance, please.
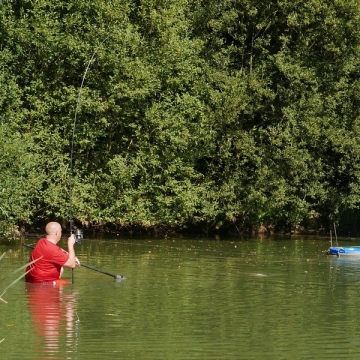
(42, 242)
(46, 245)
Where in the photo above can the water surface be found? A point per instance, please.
(188, 299)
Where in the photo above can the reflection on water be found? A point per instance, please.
(54, 318)
(191, 299)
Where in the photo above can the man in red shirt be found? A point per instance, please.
(51, 258)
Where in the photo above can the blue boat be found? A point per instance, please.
(344, 250)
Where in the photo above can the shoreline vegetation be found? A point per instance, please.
(208, 117)
(229, 231)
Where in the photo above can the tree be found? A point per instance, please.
(192, 113)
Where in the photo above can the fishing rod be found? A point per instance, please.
(78, 233)
(116, 277)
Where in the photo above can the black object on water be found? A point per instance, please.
(116, 277)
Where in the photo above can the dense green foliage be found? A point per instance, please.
(192, 113)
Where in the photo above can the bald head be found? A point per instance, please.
(52, 228)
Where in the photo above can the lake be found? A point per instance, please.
(187, 298)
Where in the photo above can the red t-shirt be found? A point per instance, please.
(48, 267)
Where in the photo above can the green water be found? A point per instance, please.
(188, 299)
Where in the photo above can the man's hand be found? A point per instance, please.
(71, 263)
(71, 240)
(77, 261)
